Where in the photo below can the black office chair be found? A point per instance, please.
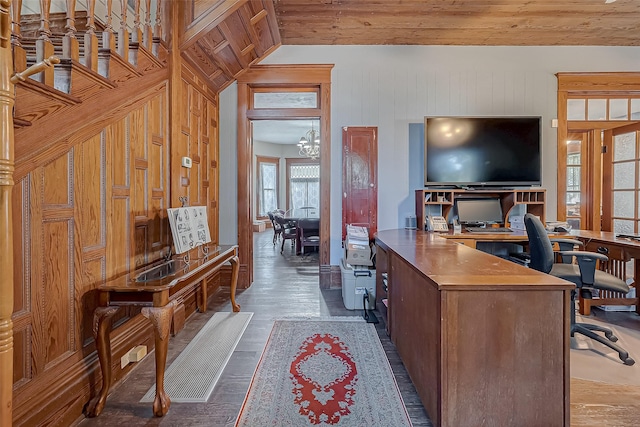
(583, 274)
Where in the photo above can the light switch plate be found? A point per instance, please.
(186, 162)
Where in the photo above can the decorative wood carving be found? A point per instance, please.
(223, 40)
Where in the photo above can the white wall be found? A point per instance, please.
(229, 165)
(392, 87)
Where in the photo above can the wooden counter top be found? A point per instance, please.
(449, 264)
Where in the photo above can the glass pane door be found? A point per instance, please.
(625, 181)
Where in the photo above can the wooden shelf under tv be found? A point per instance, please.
(533, 198)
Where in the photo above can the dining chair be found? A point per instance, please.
(309, 231)
(277, 228)
(289, 230)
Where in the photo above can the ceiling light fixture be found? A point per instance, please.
(309, 145)
(609, 1)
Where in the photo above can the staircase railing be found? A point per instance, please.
(60, 32)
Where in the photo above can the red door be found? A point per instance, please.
(360, 178)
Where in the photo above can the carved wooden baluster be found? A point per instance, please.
(123, 33)
(108, 38)
(90, 39)
(19, 54)
(16, 14)
(136, 35)
(44, 30)
(70, 46)
(7, 100)
(157, 30)
(148, 30)
(44, 46)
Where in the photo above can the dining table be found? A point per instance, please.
(295, 214)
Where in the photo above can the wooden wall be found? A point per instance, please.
(198, 140)
(91, 214)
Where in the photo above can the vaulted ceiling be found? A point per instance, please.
(223, 38)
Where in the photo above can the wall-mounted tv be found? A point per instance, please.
(482, 151)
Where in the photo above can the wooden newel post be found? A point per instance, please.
(7, 100)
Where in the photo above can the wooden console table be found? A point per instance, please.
(155, 288)
(484, 340)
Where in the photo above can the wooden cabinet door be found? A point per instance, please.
(360, 178)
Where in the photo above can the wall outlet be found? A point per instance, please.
(124, 360)
(136, 354)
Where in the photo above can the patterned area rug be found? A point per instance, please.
(328, 372)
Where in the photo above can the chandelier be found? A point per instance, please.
(309, 144)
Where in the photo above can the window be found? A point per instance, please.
(285, 99)
(304, 184)
(267, 186)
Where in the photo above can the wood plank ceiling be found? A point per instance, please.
(223, 38)
(459, 22)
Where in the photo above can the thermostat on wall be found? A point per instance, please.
(186, 162)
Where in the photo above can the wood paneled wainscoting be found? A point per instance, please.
(95, 212)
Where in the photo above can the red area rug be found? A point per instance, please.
(327, 372)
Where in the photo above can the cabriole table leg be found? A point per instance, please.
(101, 327)
(160, 317)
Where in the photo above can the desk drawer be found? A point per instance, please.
(614, 252)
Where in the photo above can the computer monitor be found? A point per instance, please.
(479, 211)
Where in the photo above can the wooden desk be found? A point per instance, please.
(620, 251)
(484, 340)
(157, 296)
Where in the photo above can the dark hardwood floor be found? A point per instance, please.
(287, 285)
(284, 285)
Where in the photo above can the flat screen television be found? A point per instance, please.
(482, 151)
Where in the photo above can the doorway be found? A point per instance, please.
(287, 177)
(286, 87)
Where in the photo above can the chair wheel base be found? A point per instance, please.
(628, 361)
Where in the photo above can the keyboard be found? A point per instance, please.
(489, 230)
